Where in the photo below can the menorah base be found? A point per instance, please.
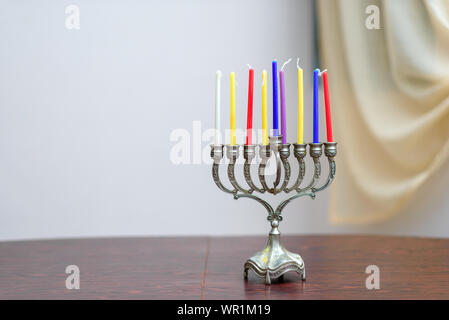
(273, 261)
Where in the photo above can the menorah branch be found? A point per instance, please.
(249, 152)
(217, 155)
(330, 151)
(299, 151)
(261, 201)
(232, 153)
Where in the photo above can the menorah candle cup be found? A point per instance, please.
(216, 152)
(275, 142)
(330, 149)
(249, 152)
(284, 151)
(299, 150)
(232, 152)
(264, 151)
(316, 150)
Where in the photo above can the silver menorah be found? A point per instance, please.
(274, 260)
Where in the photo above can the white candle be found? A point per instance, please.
(217, 108)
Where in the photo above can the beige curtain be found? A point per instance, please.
(390, 101)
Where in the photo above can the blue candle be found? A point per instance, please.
(316, 137)
(275, 99)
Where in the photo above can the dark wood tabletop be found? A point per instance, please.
(212, 268)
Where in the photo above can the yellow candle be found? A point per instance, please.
(300, 107)
(232, 108)
(264, 109)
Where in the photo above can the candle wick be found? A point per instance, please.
(249, 66)
(320, 73)
(297, 63)
(285, 63)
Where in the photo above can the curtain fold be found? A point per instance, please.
(390, 102)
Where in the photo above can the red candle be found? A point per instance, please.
(328, 108)
(249, 126)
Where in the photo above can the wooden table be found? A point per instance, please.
(211, 268)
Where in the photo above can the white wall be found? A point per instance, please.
(86, 115)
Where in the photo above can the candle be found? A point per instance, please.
(283, 112)
(217, 107)
(316, 138)
(283, 116)
(327, 107)
(232, 109)
(264, 109)
(249, 124)
(275, 98)
(300, 105)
